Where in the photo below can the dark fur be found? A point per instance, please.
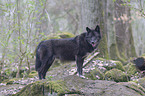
(66, 49)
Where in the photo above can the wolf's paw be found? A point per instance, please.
(82, 76)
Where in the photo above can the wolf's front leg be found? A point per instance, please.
(79, 61)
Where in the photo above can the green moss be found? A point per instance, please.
(65, 35)
(103, 48)
(143, 54)
(32, 74)
(8, 72)
(58, 35)
(43, 87)
(58, 87)
(130, 69)
(142, 82)
(114, 53)
(11, 81)
(95, 74)
(101, 59)
(135, 81)
(136, 88)
(52, 37)
(116, 75)
(113, 64)
(119, 65)
(33, 89)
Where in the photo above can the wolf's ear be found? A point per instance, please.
(97, 29)
(88, 29)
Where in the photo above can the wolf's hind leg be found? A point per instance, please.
(47, 66)
(40, 75)
(44, 61)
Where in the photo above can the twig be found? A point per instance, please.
(89, 59)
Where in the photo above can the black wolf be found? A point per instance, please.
(66, 49)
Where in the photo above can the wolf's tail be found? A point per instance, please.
(37, 61)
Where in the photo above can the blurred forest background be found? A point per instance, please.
(24, 23)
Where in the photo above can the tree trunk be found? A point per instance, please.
(111, 32)
(117, 41)
(123, 30)
(92, 14)
(19, 38)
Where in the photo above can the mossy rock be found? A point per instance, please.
(32, 74)
(134, 81)
(130, 69)
(76, 86)
(116, 75)
(113, 64)
(95, 74)
(33, 89)
(59, 35)
(45, 88)
(132, 86)
(143, 55)
(58, 87)
(142, 82)
(66, 35)
(119, 65)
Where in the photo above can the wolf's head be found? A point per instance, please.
(93, 36)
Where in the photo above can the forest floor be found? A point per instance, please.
(102, 77)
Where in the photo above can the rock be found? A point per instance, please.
(81, 87)
(12, 86)
(140, 63)
(124, 89)
(59, 35)
(116, 75)
(141, 81)
(130, 69)
(109, 64)
(114, 64)
(60, 81)
(95, 74)
(66, 35)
